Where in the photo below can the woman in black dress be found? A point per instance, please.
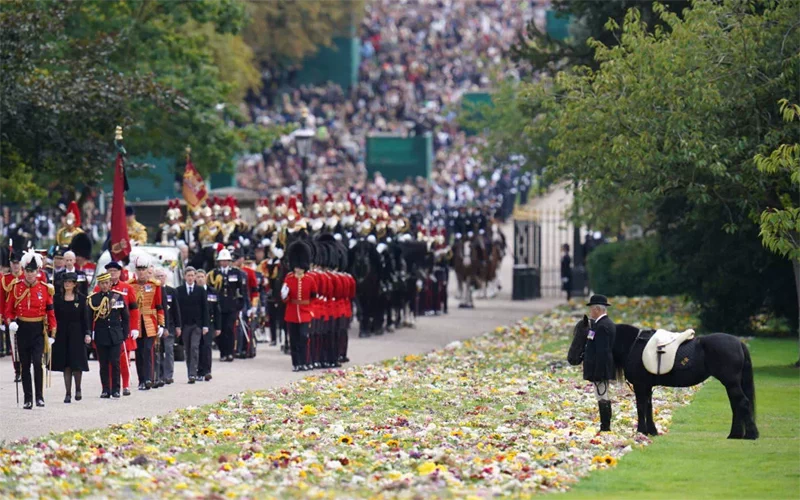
(69, 349)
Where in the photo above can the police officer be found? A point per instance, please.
(110, 328)
(598, 361)
(29, 310)
(230, 285)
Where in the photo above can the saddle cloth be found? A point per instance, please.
(658, 356)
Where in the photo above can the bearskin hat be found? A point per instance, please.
(81, 245)
(299, 255)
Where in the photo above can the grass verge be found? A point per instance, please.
(696, 461)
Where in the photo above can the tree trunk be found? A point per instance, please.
(796, 266)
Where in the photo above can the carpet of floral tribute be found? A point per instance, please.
(499, 414)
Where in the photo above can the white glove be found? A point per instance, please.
(251, 312)
(205, 330)
(13, 327)
(284, 291)
(87, 339)
(160, 331)
(134, 334)
(2, 327)
(51, 340)
(277, 252)
(381, 247)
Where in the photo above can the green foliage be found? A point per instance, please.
(780, 227)
(590, 20)
(634, 268)
(72, 71)
(284, 32)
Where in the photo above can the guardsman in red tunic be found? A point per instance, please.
(29, 311)
(128, 293)
(297, 291)
(152, 321)
(348, 315)
(7, 281)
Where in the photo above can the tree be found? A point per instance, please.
(780, 227)
(284, 32)
(74, 70)
(588, 22)
(664, 132)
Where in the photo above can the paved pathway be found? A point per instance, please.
(269, 369)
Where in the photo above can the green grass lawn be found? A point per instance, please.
(696, 461)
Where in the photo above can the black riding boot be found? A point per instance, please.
(605, 415)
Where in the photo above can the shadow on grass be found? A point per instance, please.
(781, 371)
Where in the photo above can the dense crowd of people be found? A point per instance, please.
(418, 58)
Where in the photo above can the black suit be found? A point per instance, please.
(598, 361)
(214, 324)
(172, 320)
(194, 313)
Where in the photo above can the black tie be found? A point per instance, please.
(190, 289)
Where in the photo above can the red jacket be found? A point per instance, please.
(298, 302)
(31, 303)
(252, 285)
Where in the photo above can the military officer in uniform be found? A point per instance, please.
(110, 328)
(29, 310)
(214, 330)
(297, 291)
(71, 227)
(136, 230)
(151, 314)
(230, 285)
(598, 360)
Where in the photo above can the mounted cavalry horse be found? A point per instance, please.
(469, 262)
(648, 358)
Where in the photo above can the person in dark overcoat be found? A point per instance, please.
(69, 350)
(598, 361)
(566, 271)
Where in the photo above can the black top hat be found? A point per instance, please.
(70, 277)
(128, 210)
(598, 300)
(113, 265)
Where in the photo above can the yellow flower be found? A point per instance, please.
(346, 440)
(457, 433)
(610, 461)
(426, 468)
(208, 431)
(170, 460)
(308, 410)
(394, 475)
(227, 467)
(181, 486)
(411, 358)
(228, 432)
(77, 436)
(393, 443)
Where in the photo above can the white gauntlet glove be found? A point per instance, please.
(13, 327)
(2, 327)
(160, 331)
(51, 340)
(284, 291)
(134, 334)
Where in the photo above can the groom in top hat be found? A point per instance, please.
(598, 361)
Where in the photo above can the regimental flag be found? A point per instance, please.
(194, 188)
(120, 243)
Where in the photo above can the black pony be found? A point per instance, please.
(717, 355)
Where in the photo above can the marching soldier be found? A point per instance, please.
(247, 267)
(274, 274)
(230, 285)
(128, 293)
(7, 281)
(172, 230)
(136, 230)
(209, 230)
(151, 314)
(110, 328)
(297, 291)
(71, 227)
(29, 310)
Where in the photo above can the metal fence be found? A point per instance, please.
(538, 238)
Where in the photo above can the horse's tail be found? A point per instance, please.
(748, 386)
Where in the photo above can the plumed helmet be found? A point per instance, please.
(141, 262)
(31, 261)
(81, 245)
(299, 255)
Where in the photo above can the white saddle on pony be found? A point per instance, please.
(659, 352)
